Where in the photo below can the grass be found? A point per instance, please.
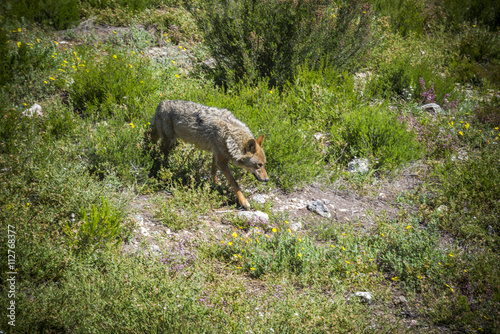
(71, 180)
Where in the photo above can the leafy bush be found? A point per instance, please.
(488, 114)
(411, 254)
(119, 81)
(28, 64)
(116, 149)
(374, 133)
(471, 191)
(59, 14)
(406, 16)
(479, 56)
(254, 40)
(97, 230)
(401, 78)
(485, 13)
(186, 207)
(131, 5)
(320, 96)
(275, 250)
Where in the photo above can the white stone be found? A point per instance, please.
(319, 208)
(432, 108)
(295, 226)
(258, 198)
(34, 110)
(358, 166)
(255, 216)
(367, 297)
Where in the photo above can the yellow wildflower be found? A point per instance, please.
(235, 235)
(274, 230)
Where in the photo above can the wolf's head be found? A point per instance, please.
(254, 159)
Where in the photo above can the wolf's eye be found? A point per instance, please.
(259, 165)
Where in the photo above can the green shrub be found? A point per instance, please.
(400, 78)
(118, 85)
(115, 148)
(479, 56)
(59, 14)
(251, 40)
(471, 191)
(4, 57)
(99, 229)
(412, 254)
(406, 16)
(131, 5)
(457, 12)
(375, 133)
(28, 65)
(319, 96)
(276, 250)
(186, 207)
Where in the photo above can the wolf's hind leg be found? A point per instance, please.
(214, 169)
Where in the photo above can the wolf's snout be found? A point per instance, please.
(260, 178)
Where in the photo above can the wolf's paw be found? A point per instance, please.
(244, 203)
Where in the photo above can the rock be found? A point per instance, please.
(87, 24)
(358, 166)
(381, 196)
(442, 209)
(139, 220)
(433, 108)
(318, 136)
(319, 208)
(34, 110)
(401, 300)
(366, 296)
(491, 230)
(296, 226)
(258, 216)
(258, 198)
(144, 231)
(461, 155)
(155, 249)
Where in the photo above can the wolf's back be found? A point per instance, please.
(210, 129)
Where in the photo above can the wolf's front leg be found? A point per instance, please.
(229, 176)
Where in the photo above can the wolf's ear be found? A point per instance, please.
(260, 140)
(251, 146)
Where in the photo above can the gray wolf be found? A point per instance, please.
(213, 130)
